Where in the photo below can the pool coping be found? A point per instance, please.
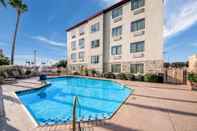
(29, 114)
(34, 121)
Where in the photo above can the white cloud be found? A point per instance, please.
(172, 47)
(181, 17)
(48, 41)
(22, 58)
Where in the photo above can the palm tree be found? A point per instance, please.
(20, 8)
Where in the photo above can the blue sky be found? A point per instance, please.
(42, 28)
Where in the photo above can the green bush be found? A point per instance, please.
(1, 79)
(93, 72)
(130, 76)
(153, 78)
(109, 75)
(192, 77)
(121, 76)
(59, 72)
(76, 73)
(28, 72)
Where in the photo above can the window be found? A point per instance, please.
(135, 4)
(81, 43)
(116, 12)
(116, 68)
(137, 47)
(73, 34)
(95, 43)
(95, 27)
(116, 50)
(74, 57)
(117, 31)
(94, 59)
(81, 31)
(81, 55)
(74, 45)
(137, 25)
(137, 68)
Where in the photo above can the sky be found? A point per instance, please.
(42, 28)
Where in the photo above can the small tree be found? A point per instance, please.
(4, 60)
(61, 63)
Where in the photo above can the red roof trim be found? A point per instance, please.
(99, 13)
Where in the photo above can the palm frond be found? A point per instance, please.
(19, 5)
(2, 2)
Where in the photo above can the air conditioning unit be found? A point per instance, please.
(138, 55)
(117, 38)
(138, 33)
(139, 11)
(117, 19)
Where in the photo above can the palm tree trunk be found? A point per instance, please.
(14, 37)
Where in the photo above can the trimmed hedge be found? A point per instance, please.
(121, 76)
(192, 77)
(109, 75)
(130, 76)
(139, 77)
(153, 78)
(76, 73)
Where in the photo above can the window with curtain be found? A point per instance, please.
(138, 25)
(117, 31)
(116, 50)
(137, 68)
(137, 47)
(135, 4)
(116, 68)
(116, 12)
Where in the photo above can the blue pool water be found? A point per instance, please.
(97, 99)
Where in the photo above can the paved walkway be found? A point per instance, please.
(152, 107)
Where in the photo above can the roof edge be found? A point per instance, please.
(98, 13)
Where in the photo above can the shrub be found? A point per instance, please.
(1, 79)
(76, 73)
(192, 77)
(28, 72)
(109, 75)
(139, 77)
(153, 78)
(121, 76)
(86, 72)
(130, 76)
(59, 72)
(93, 72)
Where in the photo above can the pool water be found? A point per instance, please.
(97, 99)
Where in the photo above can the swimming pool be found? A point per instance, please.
(97, 99)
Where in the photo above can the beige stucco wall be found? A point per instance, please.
(88, 36)
(193, 64)
(152, 57)
(153, 37)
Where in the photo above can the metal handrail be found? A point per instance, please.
(74, 120)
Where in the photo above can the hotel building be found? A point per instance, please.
(126, 37)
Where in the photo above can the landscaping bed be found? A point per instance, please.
(155, 78)
(192, 81)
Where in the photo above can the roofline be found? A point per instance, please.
(98, 13)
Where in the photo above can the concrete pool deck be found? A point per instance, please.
(152, 107)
